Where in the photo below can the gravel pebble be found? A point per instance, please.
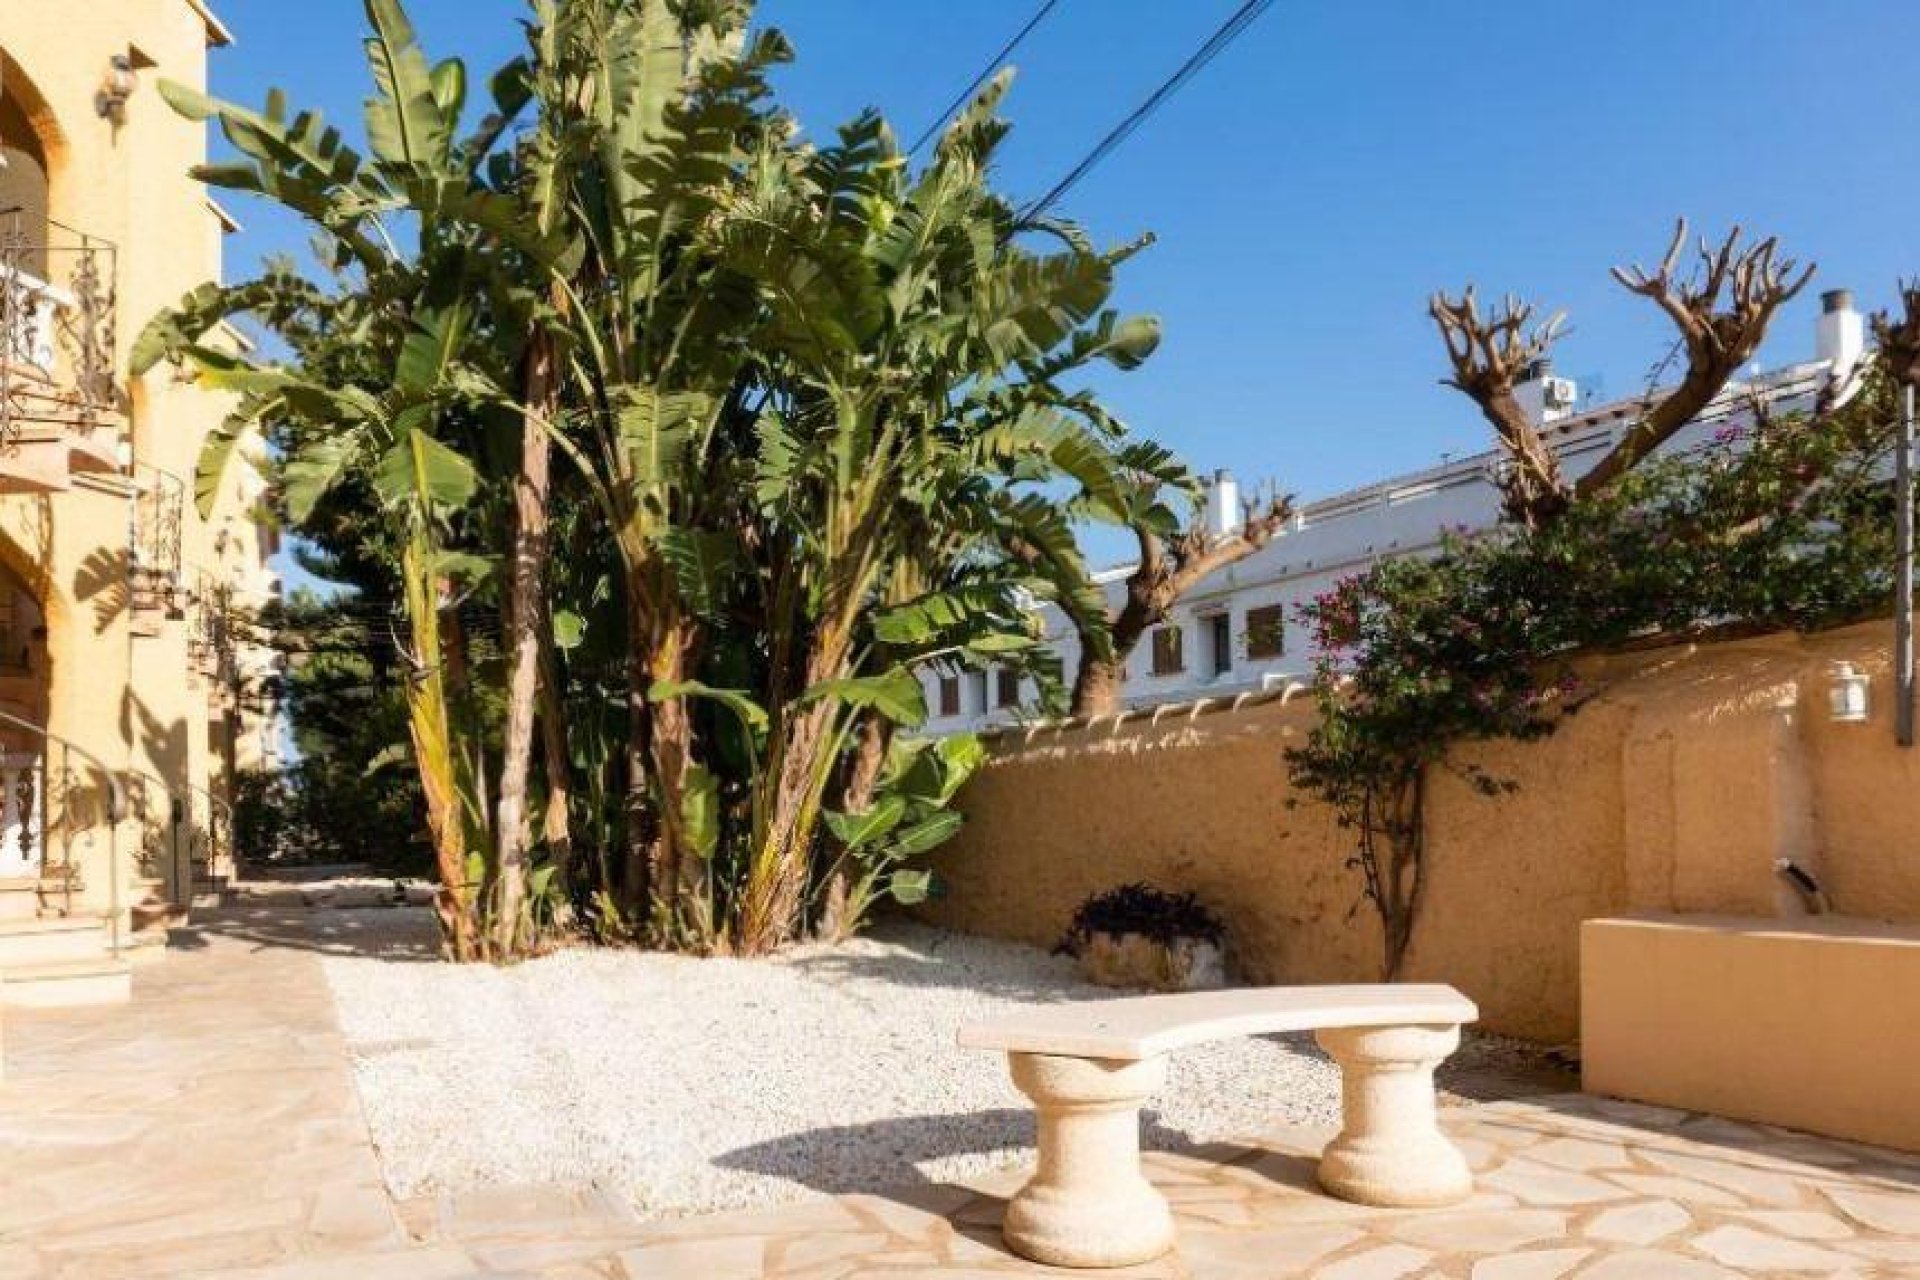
(693, 1086)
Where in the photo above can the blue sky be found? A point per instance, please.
(1333, 168)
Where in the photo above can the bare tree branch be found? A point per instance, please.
(1196, 554)
(1722, 313)
(1489, 355)
(1900, 339)
(1167, 571)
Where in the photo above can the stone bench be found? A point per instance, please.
(1089, 1067)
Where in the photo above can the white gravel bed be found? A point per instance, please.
(692, 1086)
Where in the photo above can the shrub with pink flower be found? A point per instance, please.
(1786, 527)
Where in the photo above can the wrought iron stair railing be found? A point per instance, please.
(57, 803)
(89, 799)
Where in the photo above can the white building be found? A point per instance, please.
(1238, 630)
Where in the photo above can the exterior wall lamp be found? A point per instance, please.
(1847, 695)
(116, 89)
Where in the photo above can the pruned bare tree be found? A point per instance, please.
(1169, 568)
(1722, 313)
(1721, 310)
(1899, 338)
(1489, 355)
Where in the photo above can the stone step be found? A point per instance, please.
(31, 942)
(67, 985)
(145, 948)
(209, 891)
(155, 917)
(19, 898)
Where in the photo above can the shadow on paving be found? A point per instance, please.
(388, 934)
(839, 1160)
(1565, 1180)
(1817, 1162)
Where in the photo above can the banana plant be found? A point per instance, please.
(910, 816)
(651, 109)
(921, 348)
(414, 304)
(822, 406)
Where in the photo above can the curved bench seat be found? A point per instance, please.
(1090, 1066)
(1130, 1029)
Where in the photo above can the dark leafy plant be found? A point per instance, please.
(1144, 910)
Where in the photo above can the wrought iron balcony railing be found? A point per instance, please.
(159, 505)
(57, 334)
(207, 638)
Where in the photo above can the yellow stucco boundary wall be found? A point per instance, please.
(1814, 1025)
(1675, 789)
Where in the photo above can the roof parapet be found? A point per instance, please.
(219, 35)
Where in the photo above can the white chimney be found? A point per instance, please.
(1840, 336)
(1544, 397)
(1223, 514)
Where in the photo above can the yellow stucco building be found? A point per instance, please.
(127, 691)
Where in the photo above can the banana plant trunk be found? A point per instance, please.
(230, 716)
(639, 809)
(526, 589)
(429, 722)
(771, 914)
(556, 826)
(873, 739)
(670, 753)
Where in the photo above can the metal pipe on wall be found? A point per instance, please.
(1903, 673)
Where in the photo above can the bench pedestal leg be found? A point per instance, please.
(1390, 1151)
(1088, 1204)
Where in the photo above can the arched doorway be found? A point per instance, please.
(61, 402)
(26, 210)
(25, 187)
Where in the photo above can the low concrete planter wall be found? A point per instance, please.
(1136, 961)
(1811, 1024)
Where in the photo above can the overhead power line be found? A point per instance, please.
(999, 60)
(1229, 31)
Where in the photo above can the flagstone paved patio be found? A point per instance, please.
(211, 1130)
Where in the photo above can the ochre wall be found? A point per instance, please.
(1813, 1025)
(1674, 789)
(128, 697)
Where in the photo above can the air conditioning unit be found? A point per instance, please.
(1558, 393)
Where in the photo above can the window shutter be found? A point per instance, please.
(1168, 658)
(1267, 631)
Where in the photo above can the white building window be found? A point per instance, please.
(1169, 656)
(1267, 631)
